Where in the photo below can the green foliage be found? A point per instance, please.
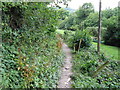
(31, 57)
(86, 62)
(75, 27)
(63, 13)
(110, 51)
(83, 12)
(78, 38)
(110, 21)
(81, 81)
(75, 20)
(86, 18)
(93, 31)
(84, 37)
(112, 35)
(110, 12)
(68, 35)
(67, 23)
(91, 20)
(60, 31)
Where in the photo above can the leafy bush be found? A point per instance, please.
(73, 39)
(84, 37)
(67, 23)
(25, 63)
(67, 34)
(86, 62)
(31, 57)
(82, 81)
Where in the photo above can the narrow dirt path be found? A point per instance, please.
(65, 80)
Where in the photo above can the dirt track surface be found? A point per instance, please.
(65, 80)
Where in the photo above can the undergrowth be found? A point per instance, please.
(31, 57)
(86, 62)
(31, 64)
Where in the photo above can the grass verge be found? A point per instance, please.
(110, 51)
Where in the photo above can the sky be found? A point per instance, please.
(75, 4)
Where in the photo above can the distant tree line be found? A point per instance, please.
(87, 18)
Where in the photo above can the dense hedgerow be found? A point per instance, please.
(31, 57)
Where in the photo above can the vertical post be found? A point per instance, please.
(79, 44)
(99, 29)
(1, 54)
(74, 47)
(83, 25)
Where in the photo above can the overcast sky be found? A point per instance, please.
(75, 4)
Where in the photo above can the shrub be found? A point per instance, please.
(82, 39)
(68, 36)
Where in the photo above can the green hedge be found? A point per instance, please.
(31, 57)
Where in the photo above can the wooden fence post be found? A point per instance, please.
(99, 29)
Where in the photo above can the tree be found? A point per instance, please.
(63, 13)
(112, 35)
(84, 12)
(75, 20)
(68, 22)
(109, 12)
(91, 20)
